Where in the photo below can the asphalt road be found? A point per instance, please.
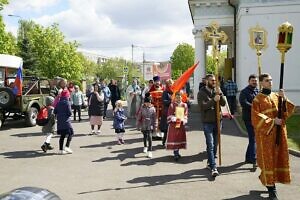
(101, 169)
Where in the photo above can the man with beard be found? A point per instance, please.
(208, 98)
(246, 97)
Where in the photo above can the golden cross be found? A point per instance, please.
(215, 37)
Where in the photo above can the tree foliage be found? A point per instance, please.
(2, 3)
(47, 54)
(182, 58)
(8, 44)
(211, 64)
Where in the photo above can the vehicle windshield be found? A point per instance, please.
(11, 72)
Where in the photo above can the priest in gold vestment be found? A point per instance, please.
(272, 158)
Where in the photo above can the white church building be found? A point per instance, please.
(236, 18)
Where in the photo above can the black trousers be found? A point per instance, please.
(147, 137)
(105, 109)
(77, 109)
(113, 103)
(63, 133)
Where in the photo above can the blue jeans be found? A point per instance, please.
(211, 136)
(251, 149)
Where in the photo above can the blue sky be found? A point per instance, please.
(109, 27)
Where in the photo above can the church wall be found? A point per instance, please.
(269, 18)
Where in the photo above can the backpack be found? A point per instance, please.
(42, 117)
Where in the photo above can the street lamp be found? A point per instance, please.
(22, 28)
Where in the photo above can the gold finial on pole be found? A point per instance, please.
(216, 37)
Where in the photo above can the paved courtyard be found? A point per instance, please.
(101, 169)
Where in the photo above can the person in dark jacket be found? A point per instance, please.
(166, 100)
(48, 129)
(115, 93)
(63, 113)
(119, 119)
(96, 109)
(246, 97)
(208, 96)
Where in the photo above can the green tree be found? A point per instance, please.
(26, 51)
(211, 64)
(52, 56)
(113, 68)
(182, 58)
(8, 44)
(2, 3)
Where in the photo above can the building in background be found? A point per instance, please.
(236, 18)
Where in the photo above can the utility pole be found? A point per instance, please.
(21, 25)
(132, 54)
(143, 65)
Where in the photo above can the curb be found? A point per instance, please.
(291, 151)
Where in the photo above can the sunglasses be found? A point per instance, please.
(268, 80)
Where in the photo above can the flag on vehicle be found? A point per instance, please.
(17, 90)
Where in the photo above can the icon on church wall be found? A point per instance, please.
(258, 38)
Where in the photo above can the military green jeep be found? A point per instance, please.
(23, 105)
(28, 104)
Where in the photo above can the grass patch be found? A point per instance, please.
(293, 128)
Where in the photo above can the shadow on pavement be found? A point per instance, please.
(235, 169)
(150, 181)
(123, 155)
(253, 194)
(183, 160)
(25, 154)
(113, 143)
(29, 134)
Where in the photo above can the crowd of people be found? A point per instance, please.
(158, 108)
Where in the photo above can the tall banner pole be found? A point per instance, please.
(216, 38)
(285, 36)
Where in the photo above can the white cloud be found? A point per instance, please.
(111, 26)
(28, 5)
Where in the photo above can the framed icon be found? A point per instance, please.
(258, 38)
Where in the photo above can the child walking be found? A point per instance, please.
(147, 116)
(119, 119)
(177, 118)
(48, 128)
(64, 127)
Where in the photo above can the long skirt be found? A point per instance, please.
(96, 120)
(176, 138)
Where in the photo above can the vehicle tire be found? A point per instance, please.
(30, 117)
(7, 97)
(30, 193)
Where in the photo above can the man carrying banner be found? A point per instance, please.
(272, 158)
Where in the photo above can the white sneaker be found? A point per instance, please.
(98, 132)
(149, 154)
(68, 150)
(145, 149)
(92, 132)
(62, 152)
(214, 172)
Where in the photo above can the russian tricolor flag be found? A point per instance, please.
(17, 90)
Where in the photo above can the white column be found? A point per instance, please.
(200, 53)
